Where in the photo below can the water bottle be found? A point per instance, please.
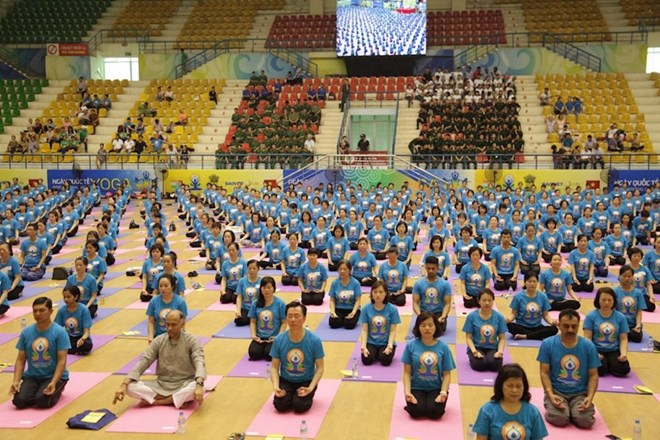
(23, 324)
(471, 435)
(304, 432)
(651, 344)
(267, 372)
(181, 423)
(637, 430)
(354, 372)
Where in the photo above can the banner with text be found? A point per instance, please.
(67, 49)
(229, 179)
(108, 181)
(527, 178)
(635, 179)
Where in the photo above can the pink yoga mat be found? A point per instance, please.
(376, 372)
(403, 426)
(651, 318)
(98, 340)
(219, 307)
(136, 285)
(156, 419)
(570, 432)
(15, 312)
(269, 421)
(6, 337)
(79, 384)
(467, 376)
(137, 305)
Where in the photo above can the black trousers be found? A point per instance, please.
(148, 296)
(583, 286)
(31, 393)
(228, 297)
(565, 304)
(398, 300)
(537, 333)
(366, 281)
(470, 303)
(601, 271)
(376, 354)
(291, 400)
(508, 282)
(259, 350)
(243, 320)
(426, 406)
(487, 363)
(84, 349)
(289, 280)
(529, 267)
(312, 298)
(610, 364)
(15, 293)
(342, 321)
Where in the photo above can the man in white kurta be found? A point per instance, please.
(180, 368)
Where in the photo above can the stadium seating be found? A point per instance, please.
(600, 109)
(381, 88)
(459, 28)
(212, 21)
(15, 95)
(38, 21)
(140, 15)
(303, 31)
(647, 10)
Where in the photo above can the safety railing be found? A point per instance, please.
(354, 159)
(344, 123)
(571, 52)
(122, 36)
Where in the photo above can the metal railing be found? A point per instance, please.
(344, 123)
(396, 126)
(473, 53)
(122, 36)
(150, 161)
(572, 53)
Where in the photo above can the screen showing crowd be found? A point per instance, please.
(381, 28)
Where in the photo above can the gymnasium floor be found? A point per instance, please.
(358, 410)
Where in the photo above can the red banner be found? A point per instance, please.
(68, 49)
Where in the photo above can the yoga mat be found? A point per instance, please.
(219, 307)
(640, 346)
(407, 308)
(111, 275)
(619, 384)
(137, 305)
(98, 340)
(16, 312)
(283, 288)
(570, 432)
(142, 326)
(109, 291)
(414, 271)
(136, 285)
(468, 376)
(79, 384)
(376, 372)
(156, 419)
(6, 337)
(450, 335)
(270, 272)
(32, 291)
(269, 421)
(403, 426)
(211, 285)
(522, 342)
(247, 368)
(651, 317)
(336, 335)
(231, 331)
(104, 312)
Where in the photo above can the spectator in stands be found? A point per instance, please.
(363, 143)
(321, 93)
(144, 110)
(96, 102)
(81, 87)
(597, 157)
(129, 145)
(559, 107)
(157, 141)
(567, 141)
(14, 147)
(140, 146)
(93, 118)
(311, 93)
(636, 142)
(345, 93)
(577, 107)
(558, 157)
(310, 144)
(117, 144)
(254, 78)
(169, 94)
(107, 102)
(410, 94)
(160, 94)
(172, 156)
(213, 96)
(344, 147)
(183, 118)
(262, 80)
(545, 97)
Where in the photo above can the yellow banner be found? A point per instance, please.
(229, 179)
(24, 177)
(529, 177)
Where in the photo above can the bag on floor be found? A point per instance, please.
(60, 273)
(92, 420)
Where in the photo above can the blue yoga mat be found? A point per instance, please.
(336, 335)
(231, 331)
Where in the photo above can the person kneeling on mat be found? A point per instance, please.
(180, 368)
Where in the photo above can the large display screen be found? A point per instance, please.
(381, 28)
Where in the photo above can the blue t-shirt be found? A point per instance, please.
(496, 424)
(180, 287)
(5, 284)
(550, 241)
(642, 275)
(581, 263)
(652, 261)
(158, 309)
(475, 280)
(41, 350)
(293, 260)
(404, 245)
(529, 311)
(569, 367)
(600, 250)
(443, 260)
(74, 322)
(428, 363)
(529, 249)
(268, 318)
(87, 286)
(568, 233)
(431, 294)
(379, 323)
(96, 267)
(617, 245)
(629, 303)
(312, 279)
(394, 276)
(297, 359)
(555, 285)
(213, 246)
(492, 238)
(338, 248)
(274, 251)
(345, 296)
(461, 250)
(248, 291)
(378, 239)
(151, 269)
(353, 231)
(505, 259)
(485, 332)
(32, 251)
(320, 238)
(233, 272)
(606, 331)
(363, 266)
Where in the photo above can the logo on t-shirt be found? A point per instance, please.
(392, 276)
(513, 431)
(532, 310)
(428, 366)
(71, 324)
(266, 320)
(162, 316)
(431, 296)
(487, 334)
(629, 305)
(606, 333)
(569, 372)
(40, 355)
(378, 325)
(345, 296)
(295, 359)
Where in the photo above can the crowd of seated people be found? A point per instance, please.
(466, 117)
(268, 129)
